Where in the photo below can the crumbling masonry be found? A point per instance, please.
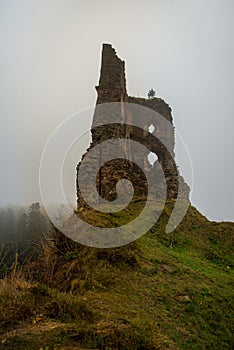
(112, 88)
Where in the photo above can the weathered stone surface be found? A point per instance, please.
(112, 88)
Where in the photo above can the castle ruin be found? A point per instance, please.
(112, 91)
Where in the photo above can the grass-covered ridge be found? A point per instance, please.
(164, 291)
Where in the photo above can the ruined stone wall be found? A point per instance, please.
(112, 88)
(112, 83)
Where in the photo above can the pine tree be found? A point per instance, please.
(151, 94)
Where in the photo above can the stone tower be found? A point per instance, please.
(112, 91)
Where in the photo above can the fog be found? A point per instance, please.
(50, 64)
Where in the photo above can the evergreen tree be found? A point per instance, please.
(36, 226)
(9, 224)
(22, 225)
(151, 94)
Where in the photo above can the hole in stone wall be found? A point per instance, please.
(152, 158)
(151, 128)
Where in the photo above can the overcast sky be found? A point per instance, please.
(50, 63)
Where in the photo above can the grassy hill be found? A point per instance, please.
(164, 291)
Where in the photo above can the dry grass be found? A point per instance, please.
(16, 302)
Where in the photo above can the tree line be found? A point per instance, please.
(21, 231)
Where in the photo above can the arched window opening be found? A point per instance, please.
(151, 128)
(152, 158)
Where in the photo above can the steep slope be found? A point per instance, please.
(161, 292)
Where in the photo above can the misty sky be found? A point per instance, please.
(50, 64)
